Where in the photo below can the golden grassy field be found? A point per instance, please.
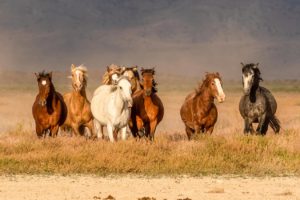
(227, 151)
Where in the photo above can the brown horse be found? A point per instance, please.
(147, 111)
(198, 112)
(49, 109)
(79, 110)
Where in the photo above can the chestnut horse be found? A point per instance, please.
(79, 109)
(198, 112)
(148, 110)
(49, 109)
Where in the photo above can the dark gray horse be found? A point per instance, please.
(257, 105)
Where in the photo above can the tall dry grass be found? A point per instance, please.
(276, 155)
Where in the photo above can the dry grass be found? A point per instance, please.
(277, 155)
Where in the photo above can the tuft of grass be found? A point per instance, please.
(276, 155)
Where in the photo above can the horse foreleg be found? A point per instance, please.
(76, 130)
(54, 131)
(39, 131)
(110, 131)
(124, 132)
(153, 125)
(260, 127)
(248, 126)
(91, 128)
(99, 129)
(189, 132)
(209, 130)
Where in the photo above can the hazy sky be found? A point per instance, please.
(183, 37)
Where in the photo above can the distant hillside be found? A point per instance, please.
(178, 37)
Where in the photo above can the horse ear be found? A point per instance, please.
(257, 64)
(242, 64)
(37, 75)
(50, 75)
(218, 74)
(72, 67)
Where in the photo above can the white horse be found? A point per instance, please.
(111, 107)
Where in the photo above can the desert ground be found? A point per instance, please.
(17, 96)
(133, 188)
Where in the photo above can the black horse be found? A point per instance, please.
(257, 105)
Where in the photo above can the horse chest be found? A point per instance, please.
(151, 110)
(254, 110)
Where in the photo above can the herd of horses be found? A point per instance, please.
(125, 101)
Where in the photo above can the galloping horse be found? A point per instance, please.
(114, 71)
(257, 105)
(49, 109)
(198, 112)
(78, 106)
(133, 76)
(147, 111)
(111, 108)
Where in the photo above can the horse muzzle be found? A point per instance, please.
(221, 99)
(42, 102)
(129, 103)
(148, 92)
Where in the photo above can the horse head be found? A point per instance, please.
(125, 87)
(79, 77)
(45, 86)
(213, 83)
(133, 75)
(148, 82)
(251, 76)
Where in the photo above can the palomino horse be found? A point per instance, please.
(148, 110)
(79, 112)
(111, 106)
(133, 76)
(49, 109)
(113, 72)
(198, 112)
(257, 105)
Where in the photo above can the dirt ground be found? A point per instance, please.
(131, 188)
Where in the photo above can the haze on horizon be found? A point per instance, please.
(177, 37)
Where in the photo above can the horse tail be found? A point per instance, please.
(275, 124)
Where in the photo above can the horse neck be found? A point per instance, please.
(204, 98)
(80, 93)
(253, 90)
(51, 99)
(119, 98)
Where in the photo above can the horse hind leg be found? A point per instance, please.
(275, 124)
(90, 126)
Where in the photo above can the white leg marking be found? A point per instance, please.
(110, 131)
(124, 132)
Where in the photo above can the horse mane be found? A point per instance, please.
(107, 74)
(206, 81)
(154, 83)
